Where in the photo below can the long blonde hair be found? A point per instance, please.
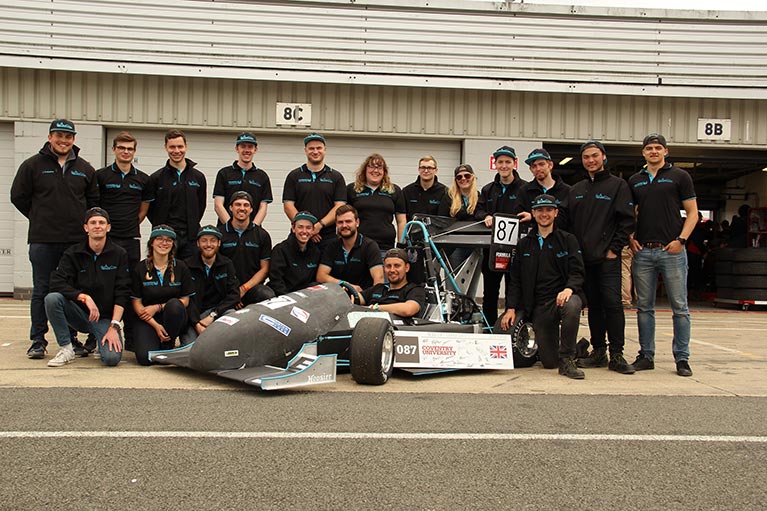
(360, 180)
(456, 200)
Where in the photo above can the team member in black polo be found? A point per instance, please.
(316, 188)
(294, 261)
(124, 192)
(89, 292)
(52, 189)
(601, 218)
(378, 202)
(545, 182)
(249, 247)
(544, 287)
(426, 193)
(179, 191)
(399, 296)
(351, 257)
(498, 196)
(243, 175)
(215, 284)
(660, 191)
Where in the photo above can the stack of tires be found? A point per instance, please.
(741, 274)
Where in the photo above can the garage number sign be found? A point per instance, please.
(714, 129)
(294, 114)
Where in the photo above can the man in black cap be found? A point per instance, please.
(498, 196)
(249, 247)
(215, 283)
(179, 191)
(545, 182)
(426, 193)
(660, 191)
(294, 261)
(601, 218)
(89, 292)
(544, 287)
(317, 188)
(243, 175)
(398, 296)
(52, 189)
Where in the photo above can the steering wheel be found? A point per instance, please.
(351, 291)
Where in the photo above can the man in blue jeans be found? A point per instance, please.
(660, 191)
(89, 291)
(52, 189)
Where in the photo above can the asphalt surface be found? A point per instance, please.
(88, 437)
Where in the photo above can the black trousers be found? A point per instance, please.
(491, 281)
(603, 296)
(145, 339)
(259, 293)
(556, 330)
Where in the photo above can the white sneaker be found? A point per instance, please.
(65, 355)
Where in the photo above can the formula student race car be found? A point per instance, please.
(300, 338)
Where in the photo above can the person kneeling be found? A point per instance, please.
(543, 287)
(399, 296)
(89, 291)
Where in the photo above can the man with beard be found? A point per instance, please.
(243, 175)
(351, 257)
(399, 296)
(249, 247)
(316, 188)
(53, 189)
(294, 261)
(544, 288)
(215, 284)
(541, 167)
(179, 190)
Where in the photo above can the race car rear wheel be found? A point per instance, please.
(371, 355)
(524, 349)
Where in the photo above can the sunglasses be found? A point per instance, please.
(462, 177)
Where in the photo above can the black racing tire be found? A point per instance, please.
(749, 268)
(523, 353)
(728, 293)
(723, 267)
(371, 354)
(724, 254)
(742, 281)
(351, 291)
(756, 255)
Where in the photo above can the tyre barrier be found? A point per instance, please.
(741, 274)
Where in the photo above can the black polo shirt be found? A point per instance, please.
(418, 200)
(315, 192)
(497, 197)
(234, 178)
(382, 294)
(376, 210)
(246, 249)
(291, 268)
(353, 267)
(659, 202)
(121, 196)
(153, 288)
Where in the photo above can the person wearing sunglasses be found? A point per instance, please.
(460, 202)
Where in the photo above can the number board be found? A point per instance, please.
(505, 229)
(294, 114)
(714, 129)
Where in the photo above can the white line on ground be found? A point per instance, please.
(383, 436)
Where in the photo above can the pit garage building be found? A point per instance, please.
(451, 78)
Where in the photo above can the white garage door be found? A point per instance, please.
(279, 154)
(7, 172)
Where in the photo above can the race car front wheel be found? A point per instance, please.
(523, 344)
(371, 355)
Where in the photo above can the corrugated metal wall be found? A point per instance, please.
(453, 44)
(127, 100)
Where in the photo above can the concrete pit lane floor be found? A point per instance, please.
(88, 437)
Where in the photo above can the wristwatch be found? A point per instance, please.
(213, 315)
(116, 325)
(682, 240)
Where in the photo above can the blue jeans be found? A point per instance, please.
(647, 264)
(45, 258)
(63, 314)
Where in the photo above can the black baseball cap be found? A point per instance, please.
(463, 167)
(96, 212)
(593, 143)
(545, 201)
(505, 151)
(241, 194)
(62, 125)
(211, 230)
(654, 138)
(246, 138)
(538, 154)
(314, 136)
(396, 252)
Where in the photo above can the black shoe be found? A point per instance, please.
(90, 343)
(683, 368)
(643, 363)
(79, 349)
(37, 350)
(568, 368)
(598, 358)
(582, 348)
(619, 364)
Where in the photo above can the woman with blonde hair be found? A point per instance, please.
(378, 202)
(460, 202)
